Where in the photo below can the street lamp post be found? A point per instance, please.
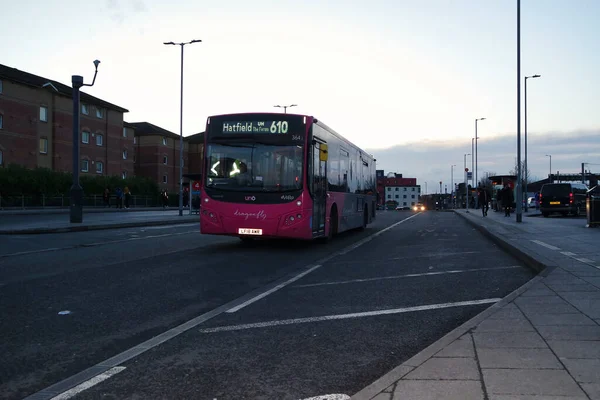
(550, 174)
(519, 178)
(467, 182)
(452, 184)
(76, 192)
(286, 107)
(181, 124)
(476, 152)
(425, 188)
(525, 166)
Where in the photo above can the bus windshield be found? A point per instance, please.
(254, 167)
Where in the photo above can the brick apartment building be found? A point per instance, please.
(157, 154)
(36, 127)
(394, 188)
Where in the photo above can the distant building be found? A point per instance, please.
(394, 188)
(36, 127)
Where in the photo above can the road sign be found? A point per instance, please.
(466, 169)
(469, 175)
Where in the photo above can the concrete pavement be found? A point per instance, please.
(540, 342)
(59, 223)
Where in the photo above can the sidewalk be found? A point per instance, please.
(59, 223)
(540, 342)
(65, 210)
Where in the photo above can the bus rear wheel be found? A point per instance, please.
(365, 219)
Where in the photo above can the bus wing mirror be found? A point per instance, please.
(323, 152)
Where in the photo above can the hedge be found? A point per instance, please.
(16, 180)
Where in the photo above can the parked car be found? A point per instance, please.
(563, 198)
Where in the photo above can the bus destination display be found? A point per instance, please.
(264, 127)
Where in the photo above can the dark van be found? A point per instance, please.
(563, 198)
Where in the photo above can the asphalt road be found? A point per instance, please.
(333, 330)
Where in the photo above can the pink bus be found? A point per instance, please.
(270, 175)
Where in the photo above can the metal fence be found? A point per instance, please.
(42, 201)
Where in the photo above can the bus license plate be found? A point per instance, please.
(246, 231)
(554, 202)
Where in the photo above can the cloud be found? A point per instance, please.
(120, 9)
(431, 160)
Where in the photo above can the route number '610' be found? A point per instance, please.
(279, 127)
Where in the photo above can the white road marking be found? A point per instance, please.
(88, 384)
(568, 253)
(346, 316)
(457, 271)
(24, 253)
(272, 290)
(546, 245)
(387, 260)
(584, 260)
(311, 269)
(330, 397)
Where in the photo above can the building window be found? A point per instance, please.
(124, 175)
(85, 165)
(0, 86)
(404, 196)
(1, 121)
(396, 189)
(164, 141)
(124, 132)
(413, 189)
(99, 167)
(405, 189)
(135, 140)
(165, 160)
(84, 109)
(412, 204)
(43, 114)
(99, 113)
(44, 145)
(389, 196)
(1, 155)
(85, 137)
(397, 196)
(389, 189)
(404, 203)
(413, 196)
(124, 154)
(134, 158)
(165, 178)
(99, 140)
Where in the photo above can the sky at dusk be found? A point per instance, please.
(404, 79)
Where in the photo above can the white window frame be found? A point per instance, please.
(165, 160)
(135, 140)
(165, 178)
(164, 141)
(124, 174)
(84, 109)
(124, 132)
(1, 87)
(87, 165)
(101, 169)
(99, 112)
(1, 121)
(124, 154)
(83, 135)
(43, 114)
(45, 146)
(101, 137)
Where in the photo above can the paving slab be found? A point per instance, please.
(570, 332)
(458, 348)
(438, 390)
(592, 390)
(561, 319)
(585, 370)
(518, 358)
(575, 348)
(531, 382)
(504, 325)
(446, 369)
(518, 340)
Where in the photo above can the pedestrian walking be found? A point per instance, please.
(106, 197)
(483, 199)
(127, 196)
(507, 200)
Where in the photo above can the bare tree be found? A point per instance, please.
(485, 182)
(525, 174)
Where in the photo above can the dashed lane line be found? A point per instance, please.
(88, 384)
(294, 321)
(546, 245)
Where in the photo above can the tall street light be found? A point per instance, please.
(467, 182)
(452, 184)
(181, 124)
(76, 193)
(519, 178)
(550, 175)
(525, 166)
(476, 152)
(286, 107)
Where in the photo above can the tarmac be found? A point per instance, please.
(540, 342)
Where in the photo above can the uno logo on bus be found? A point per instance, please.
(250, 198)
(287, 197)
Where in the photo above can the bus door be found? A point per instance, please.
(319, 186)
